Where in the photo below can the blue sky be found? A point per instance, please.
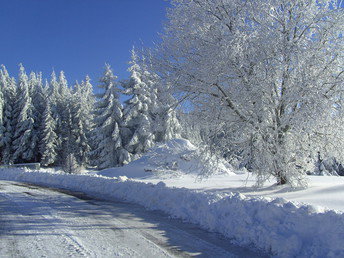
(77, 36)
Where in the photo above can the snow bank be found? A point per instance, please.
(283, 228)
(173, 158)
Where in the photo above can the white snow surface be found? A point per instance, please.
(177, 164)
(278, 220)
(275, 225)
(42, 222)
(171, 159)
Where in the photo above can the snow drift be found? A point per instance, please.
(173, 158)
(275, 225)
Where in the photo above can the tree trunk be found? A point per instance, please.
(281, 179)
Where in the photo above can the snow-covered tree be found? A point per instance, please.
(108, 124)
(2, 107)
(39, 97)
(48, 143)
(137, 115)
(82, 121)
(162, 109)
(266, 73)
(166, 125)
(60, 100)
(25, 137)
(55, 106)
(88, 100)
(71, 165)
(8, 85)
(2, 104)
(65, 114)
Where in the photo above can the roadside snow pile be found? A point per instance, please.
(173, 158)
(273, 225)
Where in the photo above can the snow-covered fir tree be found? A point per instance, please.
(55, 105)
(64, 126)
(82, 121)
(39, 97)
(48, 143)
(166, 125)
(33, 130)
(137, 110)
(108, 124)
(8, 85)
(70, 165)
(88, 100)
(60, 99)
(25, 137)
(2, 104)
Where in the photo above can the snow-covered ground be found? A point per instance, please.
(40, 222)
(155, 166)
(165, 179)
(322, 191)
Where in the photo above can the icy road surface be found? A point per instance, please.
(42, 222)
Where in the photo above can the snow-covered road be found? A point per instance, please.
(42, 222)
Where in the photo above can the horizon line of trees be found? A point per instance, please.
(50, 122)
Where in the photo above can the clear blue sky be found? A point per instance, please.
(77, 36)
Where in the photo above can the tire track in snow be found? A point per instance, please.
(87, 227)
(73, 244)
(65, 237)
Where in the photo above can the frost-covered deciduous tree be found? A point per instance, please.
(25, 137)
(108, 124)
(267, 74)
(48, 141)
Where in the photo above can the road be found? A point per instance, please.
(43, 222)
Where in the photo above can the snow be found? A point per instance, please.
(177, 163)
(279, 220)
(41, 222)
(270, 224)
(174, 158)
(324, 191)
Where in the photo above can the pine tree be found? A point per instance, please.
(88, 103)
(64, 111)
(2, 106)
(25, 139)
(71, 165)
(108, 119)
(82, 121)
(55, 106)
(137, 110)
(9, 94)
(166, 125)
(60, 99)
(38, 96)
(48, 142)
